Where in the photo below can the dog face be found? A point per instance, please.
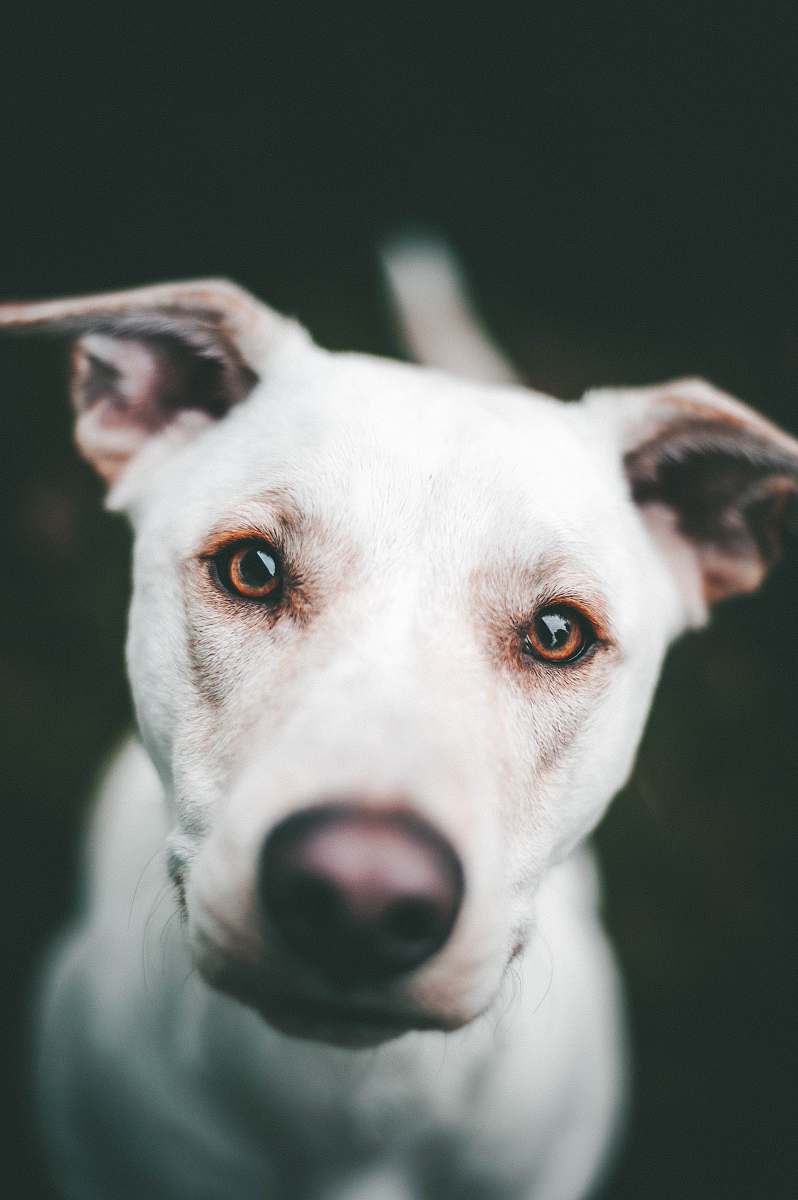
(393, 636)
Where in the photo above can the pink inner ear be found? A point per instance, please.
(124, 391)
(129, 379)
(731, 488)
(127, 387)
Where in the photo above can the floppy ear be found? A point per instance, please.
(174, 355)
(716, 480)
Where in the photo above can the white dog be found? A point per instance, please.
(393, 640)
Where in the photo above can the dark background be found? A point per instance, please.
(622, 181)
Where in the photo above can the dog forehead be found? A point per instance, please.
(386, 452)
(395, 426)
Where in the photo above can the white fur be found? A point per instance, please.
(437, 511)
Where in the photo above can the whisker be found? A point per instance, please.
(139, 882)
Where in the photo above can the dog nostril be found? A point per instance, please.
(359, 894)
(411, 920)
(306, 907)
(316, 900)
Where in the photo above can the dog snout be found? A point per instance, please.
(360, 895)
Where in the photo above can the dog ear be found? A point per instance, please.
(176, 355)
(716, 481)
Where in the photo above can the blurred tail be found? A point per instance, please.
(434, 312)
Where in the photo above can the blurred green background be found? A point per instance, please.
(622, 181)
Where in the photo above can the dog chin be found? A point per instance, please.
(354, 1031)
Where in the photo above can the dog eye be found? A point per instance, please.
(251, 570)
(558, 634)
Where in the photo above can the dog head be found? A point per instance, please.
(393, 635)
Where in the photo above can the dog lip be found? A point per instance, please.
(295, 1013)
(352, 1028)
(302, 1010)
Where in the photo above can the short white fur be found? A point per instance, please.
(434, 511)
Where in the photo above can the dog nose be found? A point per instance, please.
(359, 894)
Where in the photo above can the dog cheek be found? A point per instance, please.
(554, 788)
(155, 708)
(600, 762)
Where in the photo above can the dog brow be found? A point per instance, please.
(513, 590)
(276, 509)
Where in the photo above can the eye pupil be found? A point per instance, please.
(250, 570)
(559, 634)
(554, 630)
(257, 567)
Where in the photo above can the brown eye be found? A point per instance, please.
(559, 634)
(251, 570)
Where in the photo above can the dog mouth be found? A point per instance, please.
(343, 1024)
(352, 1022)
